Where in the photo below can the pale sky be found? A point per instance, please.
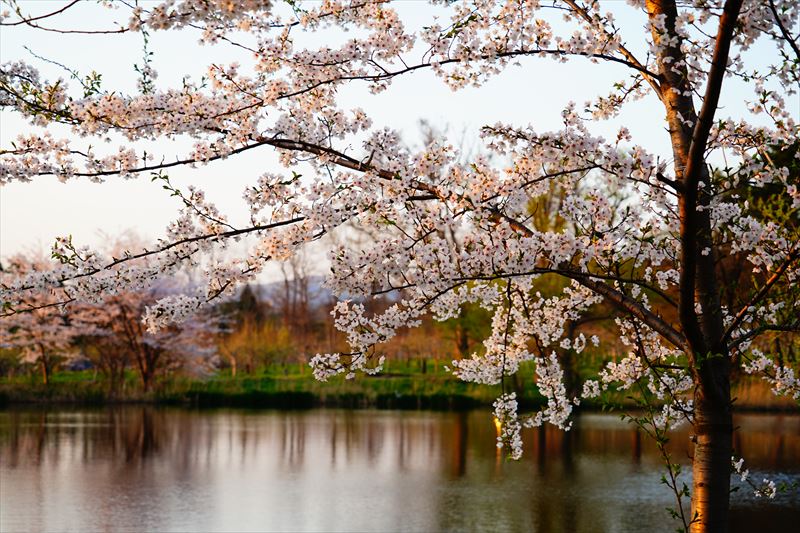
(33, 214)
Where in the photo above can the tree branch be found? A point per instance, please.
(786, 35)
(40, 17)
(719, 65)
(651, 78)
(761, 293)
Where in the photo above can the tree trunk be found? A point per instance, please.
(704, 330)
(45, 372)
(711, 466)
(44, 361)
(147, 377)
(462, 342)
(231, 357)
(713, 427)
(113, 385)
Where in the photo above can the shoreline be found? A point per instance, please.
(304, 400)
(292, 387)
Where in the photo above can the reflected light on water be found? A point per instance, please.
(142, 468)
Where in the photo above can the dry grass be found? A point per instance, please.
(754, 393)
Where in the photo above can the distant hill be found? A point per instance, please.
(317, 293)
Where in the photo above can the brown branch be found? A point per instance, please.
(786, 35)
(368, 77)
(78, 32)
(29, 21)
(791, 327)
(740, 316)
(570, 273)
(689, 151)
(635, 308)
(719, 65)
(30, 308)
(651, 78)
(40, 17)
(187, 240)
(502, 55)
(620, 300)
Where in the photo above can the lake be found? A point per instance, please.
(147, 468)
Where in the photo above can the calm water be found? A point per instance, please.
(137, 469)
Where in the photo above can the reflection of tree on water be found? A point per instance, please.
(459, 456)
(402, 447)
(779, 451)
(332, 443)
(293, 442)
(141, 436)
(16, 441)
(636, 448)
(374, 440)
(555, 448)
(142, 433)
(444, 461)
(568, 449)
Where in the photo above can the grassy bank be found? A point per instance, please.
(404, 385)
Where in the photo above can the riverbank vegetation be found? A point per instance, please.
(404, 386)
(253, 350)
(419, 383)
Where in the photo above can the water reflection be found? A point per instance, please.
(181, 470)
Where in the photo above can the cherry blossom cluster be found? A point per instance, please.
(782, 378)
(506, 414)
(509, 424)
(766, 489)
(525, 316)
(652, 365)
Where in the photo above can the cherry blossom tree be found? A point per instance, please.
(110, 332)
(44, 335)
(646, 231)
(121, 339)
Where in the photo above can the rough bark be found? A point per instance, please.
(711, 465)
